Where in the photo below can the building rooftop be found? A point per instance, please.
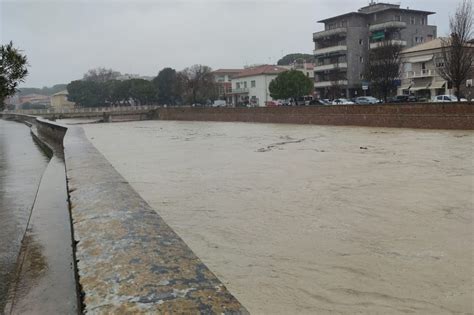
(265, 69)
(432, 44)
(224, 71)
(63, 92)
(373, 8)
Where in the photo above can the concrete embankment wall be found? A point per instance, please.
(128, 259)
(429, 116)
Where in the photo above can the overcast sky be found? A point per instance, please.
(63, 39)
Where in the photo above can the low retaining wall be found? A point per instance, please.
(128, 259)
(429, 116)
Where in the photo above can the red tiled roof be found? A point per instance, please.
(265, 69)
(227, 71)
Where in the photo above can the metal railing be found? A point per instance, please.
(420, 74)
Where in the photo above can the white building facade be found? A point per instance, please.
(251, 86)
(420, 72)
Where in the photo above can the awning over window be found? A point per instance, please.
(420, 59)
(420, 87)
(438, 85)
(405, 86)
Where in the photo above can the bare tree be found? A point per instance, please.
(383, 68)
(456, 51)
(101, 75)
(197, 84)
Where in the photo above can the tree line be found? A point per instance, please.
(102, 87)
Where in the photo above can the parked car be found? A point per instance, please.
(324, 102)
(366, 100)
(319, 102)
(445, 98)
(271, 104)
(219, 103)
(403, 99)
(342, 101)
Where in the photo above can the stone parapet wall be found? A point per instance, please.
(429, 115)
(129, 260)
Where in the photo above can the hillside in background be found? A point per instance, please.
(290, 58)
(43, 91)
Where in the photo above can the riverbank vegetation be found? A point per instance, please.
(106, 87)
(13, 70)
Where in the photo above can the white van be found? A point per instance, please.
(219, 103)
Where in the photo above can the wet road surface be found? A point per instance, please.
(21, 165)
(312, 219)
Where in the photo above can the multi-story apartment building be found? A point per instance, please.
(342, 48)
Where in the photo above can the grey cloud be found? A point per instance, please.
(63, 39)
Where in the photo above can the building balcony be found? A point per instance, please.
(387, 25)
(239, 91)
(323, 84)
(328, 50)
(388, 42)
(342, 65)
(426, 73)
(330, 33)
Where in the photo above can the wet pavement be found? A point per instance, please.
(44, 280)
(300, 219)
(21, 166)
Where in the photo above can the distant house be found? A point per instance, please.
(307, 68)
(420, 76)
(250, 86)
(223, 79)
(59, 101)
(34, 101)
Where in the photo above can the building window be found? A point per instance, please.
(361, 59)
(412, 20)
(245, 84)
(418, 39)
(361, 41)
(398, 18)
(237, 85)
(439, 62)
(252, 83)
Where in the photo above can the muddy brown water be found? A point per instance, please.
(312, 219)
(21, 165)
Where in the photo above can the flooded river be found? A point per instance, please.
(21, 165)
(312, 219)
